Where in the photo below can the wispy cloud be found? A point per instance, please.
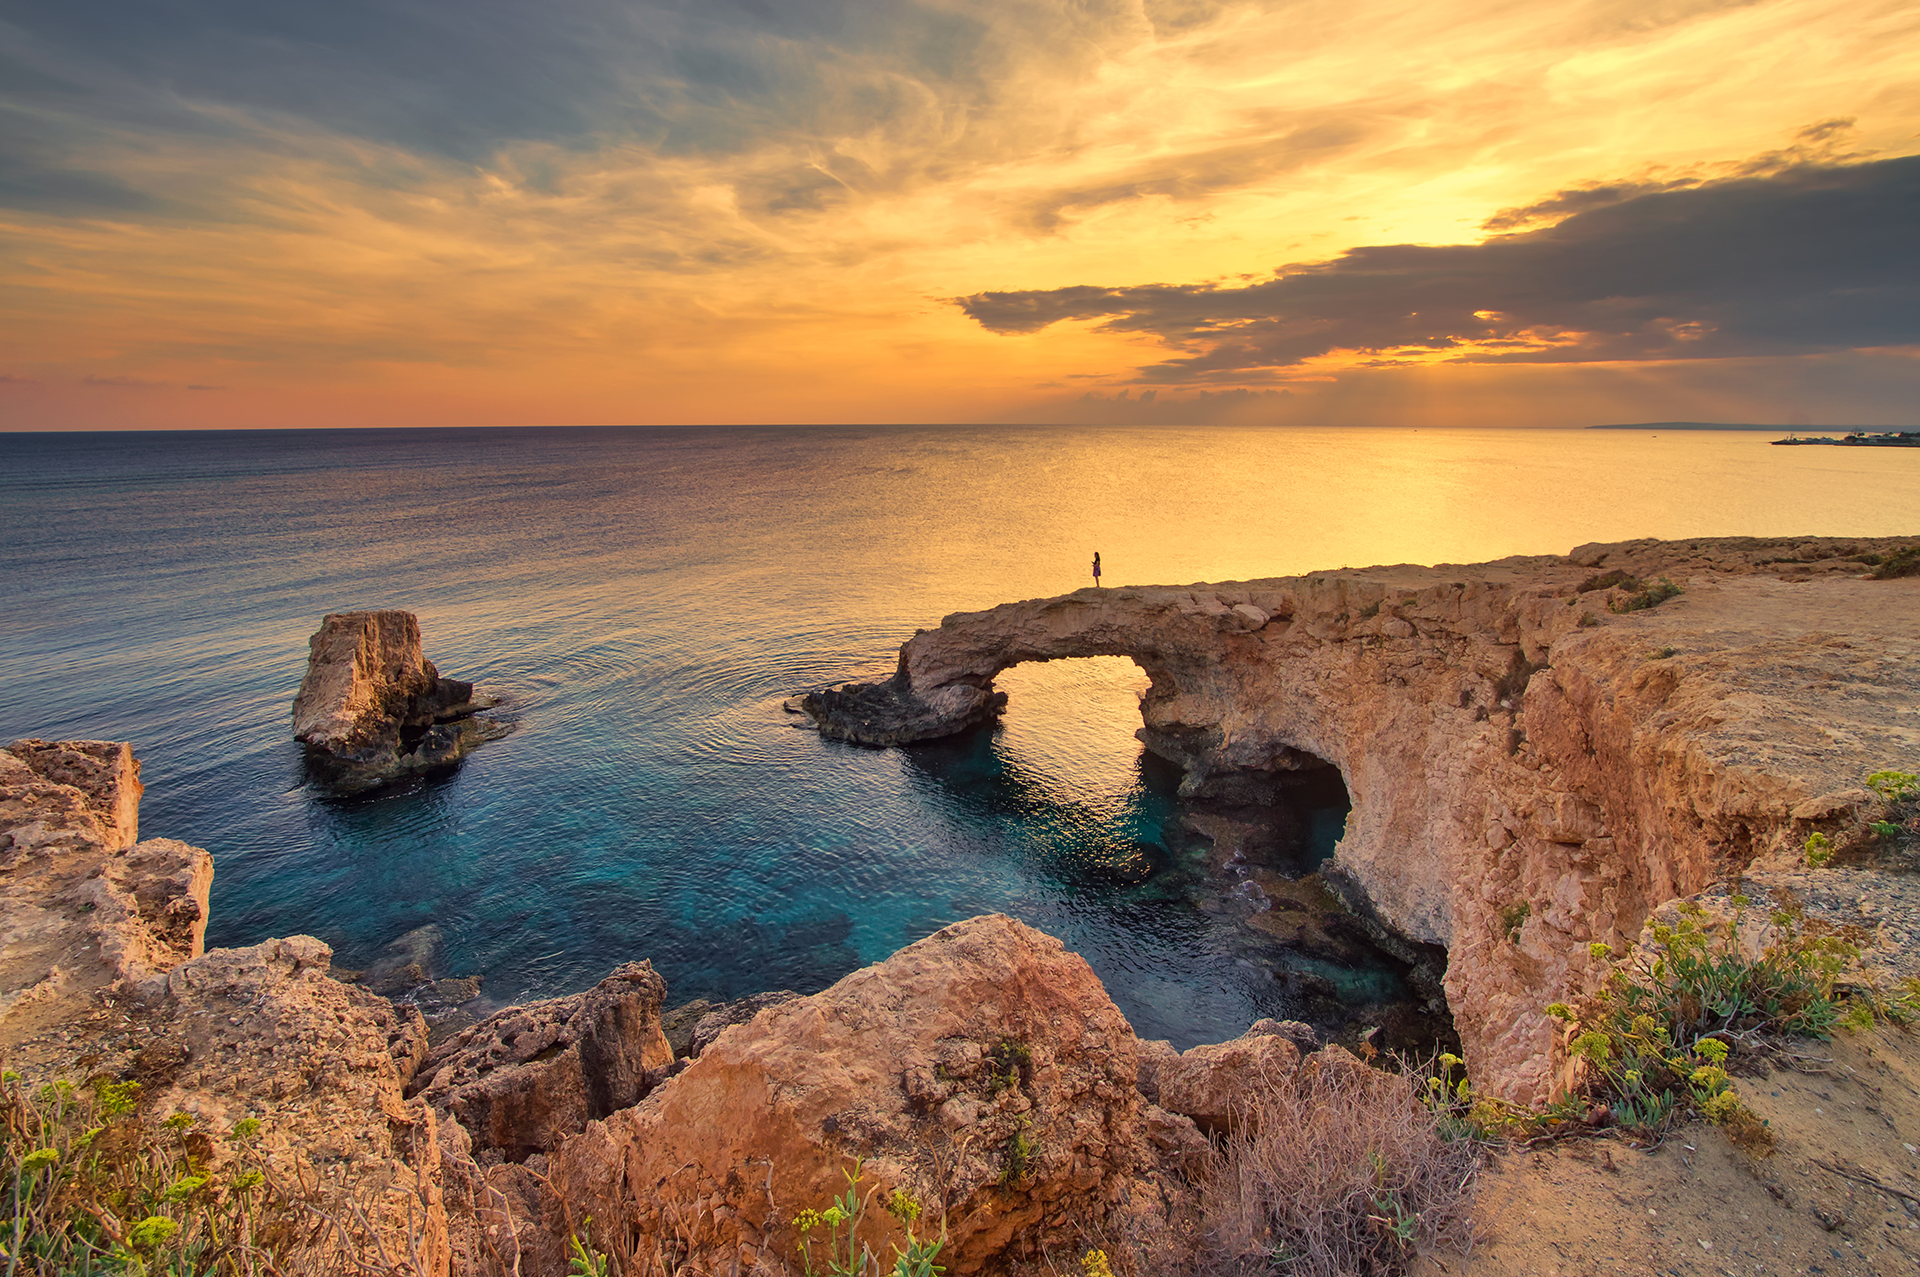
(123, 383)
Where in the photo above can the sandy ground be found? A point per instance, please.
(1846, 1117)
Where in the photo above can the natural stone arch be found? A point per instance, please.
(1505, 739)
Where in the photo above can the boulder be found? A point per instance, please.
(87, 908)
(372, 709)
(266, 1033)
(68, 795)
(149, 908)
(983, 1070)
(522, 1080)
(1211, 1084)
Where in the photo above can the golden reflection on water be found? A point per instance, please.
(1177, 506)
(1069, 727)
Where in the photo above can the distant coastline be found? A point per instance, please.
(1861, 439)
(1851, 436)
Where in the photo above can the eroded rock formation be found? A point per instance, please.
(89, 907)
(102, 974)
(373, 709)
(1530, 769)
(531, 1075)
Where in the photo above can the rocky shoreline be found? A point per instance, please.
(1500, 749)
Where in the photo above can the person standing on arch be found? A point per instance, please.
(1096, 567)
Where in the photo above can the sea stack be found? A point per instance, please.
(373, 709)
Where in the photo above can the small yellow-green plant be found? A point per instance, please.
(1819, 850)
(1095, 1264)
(1656, 1035)
(1894, 787)
(94, 1187)
(582, 1259)
(849, 1255)
(1016, 1163)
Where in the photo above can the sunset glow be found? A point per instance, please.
(231, 215)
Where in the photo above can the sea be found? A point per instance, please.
(644, 600)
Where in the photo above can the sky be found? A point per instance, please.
(258, 213)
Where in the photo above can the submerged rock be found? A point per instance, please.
(373, 709)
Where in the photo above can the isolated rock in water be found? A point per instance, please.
(522, 1080)
(983, 1069)
(406, 962)
(373, 709)
(893, 713)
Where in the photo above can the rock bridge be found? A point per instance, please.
(1530, 769)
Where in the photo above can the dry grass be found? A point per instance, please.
(1337, 1171)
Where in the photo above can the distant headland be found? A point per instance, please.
(1683, 425)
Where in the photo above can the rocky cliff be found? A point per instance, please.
(1539, 751)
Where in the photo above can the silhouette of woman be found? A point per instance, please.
(1096, 567)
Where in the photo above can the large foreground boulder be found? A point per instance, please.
(983, 1070)
(373, 709)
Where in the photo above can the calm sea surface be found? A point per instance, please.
(646, 598)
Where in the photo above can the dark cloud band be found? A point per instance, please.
(1813, 258)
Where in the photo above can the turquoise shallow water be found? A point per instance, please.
(646, 598)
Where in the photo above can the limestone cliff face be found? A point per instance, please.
(90, 907)
(102, 974)
(1529, 770)
(372, 708)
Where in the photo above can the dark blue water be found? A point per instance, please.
(645, 599)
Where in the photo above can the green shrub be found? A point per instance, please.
(97, 1186)
(1651, 596)
(1894, 787)
(1656, 1036)
(1819, 850)
(1902, 562)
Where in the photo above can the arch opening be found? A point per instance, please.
(1229, 869)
